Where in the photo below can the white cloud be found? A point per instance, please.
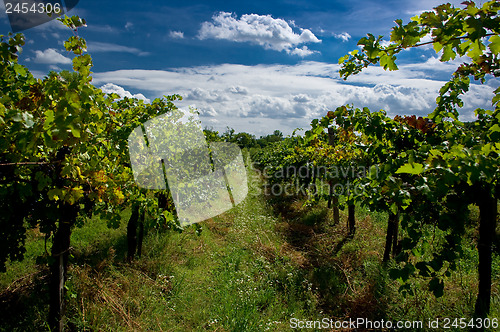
(302, 52)
(383, 43)
(301, 98)
(129, 25)
(344, 36)
(239, 90)
(435, 65)
(207, 95)
(424, 40)
(262, 98)
(208, 111)
(113, 88)
(51, 56)
(176, 34)
(94, 47)
(263, 30)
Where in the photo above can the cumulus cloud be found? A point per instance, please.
(207, 95)
(344, 36)
(51, 56)
(301, 98)
(270, 107)
(302, 52)
(95, 47)
(113, 88)
(263, 30)
(176, 34)
(285, 97)
(208, 111)
(239, 90)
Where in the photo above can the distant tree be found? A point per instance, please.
(212, 135)
(245, 140)
(228, 134)
(276, 136)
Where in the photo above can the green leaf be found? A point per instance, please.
(168, 215)
(75, 131)
(407, 271)
(113, 221)
(344, 58)
(476, 50)
(437, 47)
(495, 128)
(20, 70)
(494, 44)
(435, 153)
(423, 269)
(448, 53)
(54, 194)
(49, 116)
(409, 168)
(388, 62)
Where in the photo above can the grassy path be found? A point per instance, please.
(238, 275)
(252, 268)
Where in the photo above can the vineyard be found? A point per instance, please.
(362, 216)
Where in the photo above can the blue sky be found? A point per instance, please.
(254, 66)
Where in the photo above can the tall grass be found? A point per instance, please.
(251, 269)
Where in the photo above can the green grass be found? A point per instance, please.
(251, 269)
(231, 277)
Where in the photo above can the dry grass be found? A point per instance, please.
(251, 269)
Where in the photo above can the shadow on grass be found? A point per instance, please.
(304, 228)
(95, 254)
(24, 302)
(344, 286)
(303, 225)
